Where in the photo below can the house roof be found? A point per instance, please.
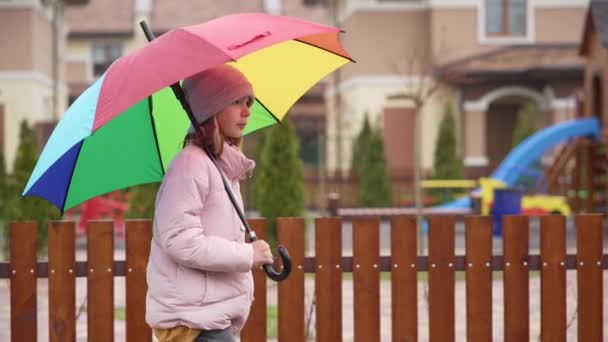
(168, 14)
(524, 60)
(597, 18)
(107, 17)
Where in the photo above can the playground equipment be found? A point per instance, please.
(529, 204)
(531, 149)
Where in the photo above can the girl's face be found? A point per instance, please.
(233, 119)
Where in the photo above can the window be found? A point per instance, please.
(506, 17)
(309, 129)
(314, 2)
(273, 6)
(103, 55)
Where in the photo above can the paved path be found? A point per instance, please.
(460, 309)
(347, 312)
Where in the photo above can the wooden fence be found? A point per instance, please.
(328, 266)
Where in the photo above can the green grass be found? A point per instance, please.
(119, 314)
(271, 321)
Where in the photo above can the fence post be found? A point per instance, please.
(404, 279)
(328, 278)
(553, 277)
(589, 239)
(333, 204)
(516, 276)
(478, 265)
(255, 328)
(138, 237)
(366, 278)
(291, 290)
(62, 281)
(23, 281)
(100, 281)
(441, 278)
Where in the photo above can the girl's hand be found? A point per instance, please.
(261, 253)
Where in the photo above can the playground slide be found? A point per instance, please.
(531, 149)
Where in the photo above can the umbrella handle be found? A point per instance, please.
(286, 260)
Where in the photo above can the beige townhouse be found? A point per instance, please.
(485, 58)
(104, 30)
(32, 86)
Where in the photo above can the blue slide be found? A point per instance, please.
(531, 149)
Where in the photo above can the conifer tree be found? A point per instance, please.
(526, 123)
(5, 199)
(28, 208)
(3, 187)
(447, 163)
(359, 146)
(142, 199)
(375, 188)
(280, 183)
(525, 127)
(258, 188)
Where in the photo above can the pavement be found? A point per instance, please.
(347, 293)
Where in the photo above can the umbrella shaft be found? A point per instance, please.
(179, 93)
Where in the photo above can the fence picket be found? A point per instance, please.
(291, 291)
(138, 237)
(441, 278)
(553, 277)
(24, 317)
(366, 278)
(62, 281)
(404, 279)
(255, 328)
(100, 281)
(328, 266)
(516, 279)
(328, 279)
(478, 264)
(589, 247)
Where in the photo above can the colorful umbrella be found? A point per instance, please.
(125, 129)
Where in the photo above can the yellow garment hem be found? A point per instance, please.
(177, 334)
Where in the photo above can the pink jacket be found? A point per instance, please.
(199, 270)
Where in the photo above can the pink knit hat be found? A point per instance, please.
(212, 90)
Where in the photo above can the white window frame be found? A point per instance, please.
(485, 39)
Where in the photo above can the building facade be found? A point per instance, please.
(32, 83)
(484, 58)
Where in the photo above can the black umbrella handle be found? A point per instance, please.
(285, 259)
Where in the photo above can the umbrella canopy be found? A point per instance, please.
(125, 129)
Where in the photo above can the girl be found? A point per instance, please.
(200, 286)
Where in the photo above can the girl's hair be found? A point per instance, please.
(210, 138)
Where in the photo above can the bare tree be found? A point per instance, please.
(422, 86)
